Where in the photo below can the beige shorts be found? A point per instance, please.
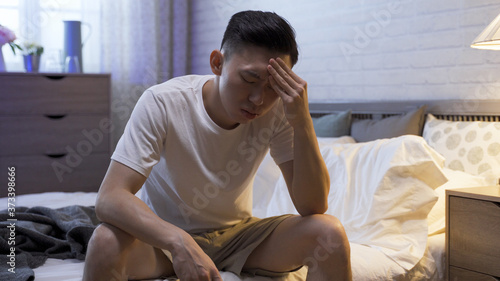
(230, 247)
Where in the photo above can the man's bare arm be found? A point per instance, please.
(117, 205)
(306, 175)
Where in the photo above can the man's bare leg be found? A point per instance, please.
(318, 241)
(115, 255)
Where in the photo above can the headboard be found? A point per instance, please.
(453, 110)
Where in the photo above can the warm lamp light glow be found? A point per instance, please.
(489, 39)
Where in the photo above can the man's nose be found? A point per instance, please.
(257, 96)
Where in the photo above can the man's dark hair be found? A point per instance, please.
(262, 29)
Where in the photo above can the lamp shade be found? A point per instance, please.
(489, 39)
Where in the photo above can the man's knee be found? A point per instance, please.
(328, 246)
(331, 226)
(327, 237)
(107, 242)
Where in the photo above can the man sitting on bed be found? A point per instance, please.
(194, 144)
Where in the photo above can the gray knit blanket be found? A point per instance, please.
(35, 234)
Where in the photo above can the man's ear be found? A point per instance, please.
(216, 61)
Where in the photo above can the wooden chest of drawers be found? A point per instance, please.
(473, 233)
(54, 129)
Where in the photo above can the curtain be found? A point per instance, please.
(143, 43)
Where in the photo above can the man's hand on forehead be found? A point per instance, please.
(291, 89)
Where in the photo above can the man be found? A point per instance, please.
(194, 144)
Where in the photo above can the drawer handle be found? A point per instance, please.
(55, 155)
(55, 77)
(55, 116)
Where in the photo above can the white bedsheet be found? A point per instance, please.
(367, 263)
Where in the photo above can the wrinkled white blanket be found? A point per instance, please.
(382, 192)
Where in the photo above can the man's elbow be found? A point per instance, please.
(101, 208)
(313, 209)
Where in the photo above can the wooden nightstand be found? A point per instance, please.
(473, 234)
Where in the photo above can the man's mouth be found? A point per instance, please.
(249, 115)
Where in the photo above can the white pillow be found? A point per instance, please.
(456, 179)
(381, 191)
(268, 174)
(472, 147)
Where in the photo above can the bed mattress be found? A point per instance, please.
(367, 263)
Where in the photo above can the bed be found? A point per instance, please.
(390, 164)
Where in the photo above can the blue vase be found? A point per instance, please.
(31, 63)
(73, 40)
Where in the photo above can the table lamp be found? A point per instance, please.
(489, 39)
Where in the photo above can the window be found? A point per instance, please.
(9, 17)
(42, 22)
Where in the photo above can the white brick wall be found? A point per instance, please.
(373, 49)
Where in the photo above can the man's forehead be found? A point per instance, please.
(257, 67)
(256, 54)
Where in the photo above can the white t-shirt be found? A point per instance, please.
(199, 175)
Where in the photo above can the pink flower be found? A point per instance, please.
(6, 35)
